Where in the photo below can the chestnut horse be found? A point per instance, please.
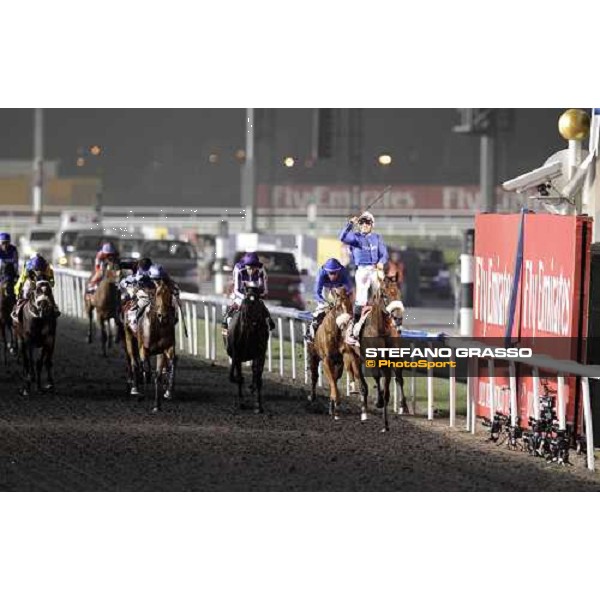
(383, 323)
(156, 337)
(105, 300)
(328, 347)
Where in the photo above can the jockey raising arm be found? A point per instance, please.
(370, 255)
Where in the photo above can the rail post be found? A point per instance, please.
(293, 343)
(206, 332)
(589, 427)
(280, 330)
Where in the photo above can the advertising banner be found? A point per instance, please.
(550, 314)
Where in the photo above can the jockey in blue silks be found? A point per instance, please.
(331, 275)
(248, 270)
(370, 255)
(9, 262)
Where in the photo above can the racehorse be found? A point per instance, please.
(247, 340)
(36, 328)
(7, 302)
(106, 302)
(156, 337)
(328, 347)
(383, 323)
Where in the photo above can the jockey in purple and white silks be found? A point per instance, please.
(248, 270)
(369, 254)
(9, 262)
(331, 275)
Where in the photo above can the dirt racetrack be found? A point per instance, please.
(91, 436)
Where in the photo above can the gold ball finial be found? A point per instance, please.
(574, 124)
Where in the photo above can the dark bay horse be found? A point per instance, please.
(247, 340)
(36, 329)
(156, 337)
(105, 300)
(329, 346)
(383, 323)
(7, 302)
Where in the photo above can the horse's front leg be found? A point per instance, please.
(379, 393)
(314, 375)
(334, 398)
(49, 367)
(399, 380)
(39, 363)
(103, 325)
(172, 362)
(386, 401)
(258, 365)
(364, 391)
(90, 311)
(158, 375)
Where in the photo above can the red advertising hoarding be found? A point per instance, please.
(551, 313)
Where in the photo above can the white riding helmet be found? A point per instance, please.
(367, 215)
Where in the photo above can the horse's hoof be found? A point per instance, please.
(258, 411)
(155, 410)
(49, 388)
(385, 430)
(24, 393)
(336, 418)
(379, 404)
(134, 392)
(167, 395)
(363, 417)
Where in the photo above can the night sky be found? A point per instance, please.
(160, 156)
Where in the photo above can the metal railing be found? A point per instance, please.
(287, 349)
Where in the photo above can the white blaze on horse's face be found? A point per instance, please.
(395, 308)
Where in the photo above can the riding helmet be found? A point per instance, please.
(108, 248)
(144, 264)
(251, 260)
(156, 272)
(367, 216)
(37, 263)
(333, 265)
(4, 237)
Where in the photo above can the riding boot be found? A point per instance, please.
(352, 337)
(225, 320)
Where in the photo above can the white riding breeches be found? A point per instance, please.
(366, 276)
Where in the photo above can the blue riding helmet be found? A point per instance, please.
(36, 263)
(333, 265)
(251, 259)
(156, 272)
(108, 248)
(4, 237)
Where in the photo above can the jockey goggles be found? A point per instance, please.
(365, 221)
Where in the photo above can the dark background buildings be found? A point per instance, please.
(163, 156)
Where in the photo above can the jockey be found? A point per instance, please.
(370, 255)
(107, 253)
(35, 269)
(248, 269)
(9, 262)
(144, 282)
(332, 275)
